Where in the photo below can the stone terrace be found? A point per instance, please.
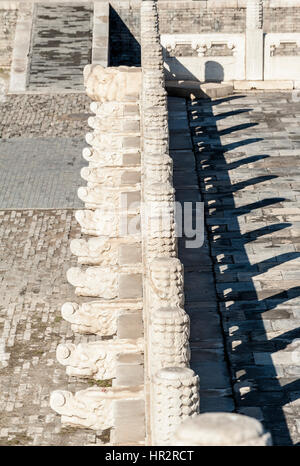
(242, 286)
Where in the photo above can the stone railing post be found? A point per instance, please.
(221, 429)
(171, 388)
(254, 40)
(175, 398)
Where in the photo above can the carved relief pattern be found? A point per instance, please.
(167, 325)
(96, 223)
(180, 50)
(254, 14)
(114, 275)
(169, 338)
(211, 49)
(107, 199)
(117, 284)
(96, 359)
(94, 281)
(160, 224)
(105, 176)
(166, 283)
(203, 48)
(98, 317)
(92, 408)
(112, 84)
(100, 250)
(285, 48)
(175, 397)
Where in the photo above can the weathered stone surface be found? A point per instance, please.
(169, 338)
(98, 223)
(106, 251)
(165, 283)
(99, 359)
(120, 84)
(221, 429)
(175, 397)
(93, 408)
(105, 282)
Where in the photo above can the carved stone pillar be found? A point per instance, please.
(159, 219)
(175, 398)
(173, 392)
(254, 40)
(165, 283)
(169, 338)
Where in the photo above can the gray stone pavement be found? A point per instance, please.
(247, 150)
(206, 338)
(40, 159)
(35, 256)
(40, 150)
(61, 45)
(51, 115)
(40, 173)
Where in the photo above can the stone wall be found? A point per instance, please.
(8, 20)
(198, 17)
(282, 19)
(194, 18)
(180, 17)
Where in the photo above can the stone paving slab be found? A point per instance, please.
(54, 115)
(40, 150)
(40, 173)
(248, 157)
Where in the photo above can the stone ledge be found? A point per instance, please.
(184, 88)
(263, 85)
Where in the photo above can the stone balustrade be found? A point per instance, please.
(172, 392)
(109, 275)
(128, 271)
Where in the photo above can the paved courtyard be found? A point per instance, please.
(40, 159)
(241, 156)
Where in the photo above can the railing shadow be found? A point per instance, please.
(124, 48)
(256, 384)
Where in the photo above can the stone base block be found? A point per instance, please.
(129, 419)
